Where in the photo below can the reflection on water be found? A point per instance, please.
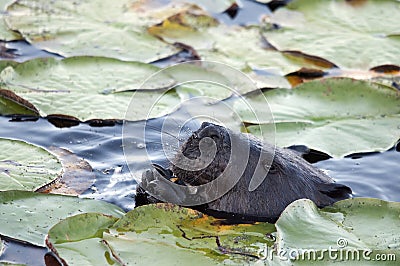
(375, 175)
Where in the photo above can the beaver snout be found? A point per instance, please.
(208, 130)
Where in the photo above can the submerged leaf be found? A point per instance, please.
(77, 176)
(24, 166)
(27, 216)
(358, 36)
(338, 116)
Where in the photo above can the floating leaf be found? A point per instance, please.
(240, 47)
(359, 224)
(28, 216)
(95, 28)
(362, 35)
(175, 234)
(26, 167)
(338, 116)
(86, 87)
(5, 33)
(80, 227)
(87, 228)
(11, 104)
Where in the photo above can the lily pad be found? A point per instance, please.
(27, 216)
(175, 234)
(95, 28)
(26, 167)
(361, 35)
(77, 177)
(11, 104)
(360, 227)
(241, 47)
(338, 116)
(86, 87)
(5, 33)
(80, 227)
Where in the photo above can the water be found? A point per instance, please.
(375, 175)
(22, 51)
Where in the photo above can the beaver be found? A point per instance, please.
(289, 178)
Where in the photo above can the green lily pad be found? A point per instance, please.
(361, 227)
(360, 35)
(160, 234)
(80, 227)
(239, 47)
(26, 167)
(5, 33)
(28, 216)
(86, 87)
(11, 104)
(338, 116)
(95, 28)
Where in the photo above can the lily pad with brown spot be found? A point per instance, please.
(175, 234)
(77, 175)
(338, 116)
(87, 87)
(355, 36)
(11, 104)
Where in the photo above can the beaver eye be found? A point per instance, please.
(273, 168)
(214, 136)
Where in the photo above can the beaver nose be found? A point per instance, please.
(209, 131)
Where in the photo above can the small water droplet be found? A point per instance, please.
(140, 145)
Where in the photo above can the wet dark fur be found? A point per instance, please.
(290, 178)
